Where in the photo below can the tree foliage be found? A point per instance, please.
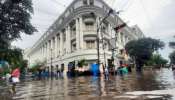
(172, 57)
(172, 44)
(157, 60)
(141, 50)
(38, 65)
(14, 57)
(82, 63)
(15, 18)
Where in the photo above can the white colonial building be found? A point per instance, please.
(72, 36)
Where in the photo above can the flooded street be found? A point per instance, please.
(151, 85)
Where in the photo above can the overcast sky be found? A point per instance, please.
(154, 17)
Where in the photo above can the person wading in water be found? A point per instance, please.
(15, 79)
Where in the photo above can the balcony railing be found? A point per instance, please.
(90, 32)
(73, 37)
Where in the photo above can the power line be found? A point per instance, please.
(45, 12)
(113, 3)
(59, 3)
(49, 13)
(125, 4)
(129, 5)
(146, 12)
(43, 18)
(115, 7)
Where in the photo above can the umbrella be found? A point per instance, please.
(4, 64)
(16, 73)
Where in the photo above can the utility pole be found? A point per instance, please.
(114, 48)
(98, 47)
(104, 46)
(98, 40)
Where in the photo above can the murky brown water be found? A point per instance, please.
(156, 83)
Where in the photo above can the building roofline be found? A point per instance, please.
(63, 14)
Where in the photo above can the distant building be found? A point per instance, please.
(72, 36)
(137, 31)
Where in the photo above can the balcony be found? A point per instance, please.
(90, 33)
(73, 35)
(89, 20)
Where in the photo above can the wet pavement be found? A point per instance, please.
(151, 85)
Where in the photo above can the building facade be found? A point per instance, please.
(72, 37)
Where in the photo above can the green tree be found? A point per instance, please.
(172, 57)
(13, 55)
(15, 18)
(15, 59)
(172, 44)
(157, 60)
(141, 50)
(82, 63)
(37, 66)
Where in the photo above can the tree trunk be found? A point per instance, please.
(139, 66)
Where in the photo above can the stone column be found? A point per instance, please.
(77, 35)
(51, 49)
(127, 40)
(67, 42)
(81, 33)
(119, 37)
(43, 49)
(109, 30)
(56, 46)
(42, 52)
(124, 40)
(46, 50)
(68, 39)
(61, 43)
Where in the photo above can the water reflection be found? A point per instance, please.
(95, 88)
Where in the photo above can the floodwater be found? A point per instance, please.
(151, 85)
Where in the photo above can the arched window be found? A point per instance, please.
(85, 2)
(91, 2)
